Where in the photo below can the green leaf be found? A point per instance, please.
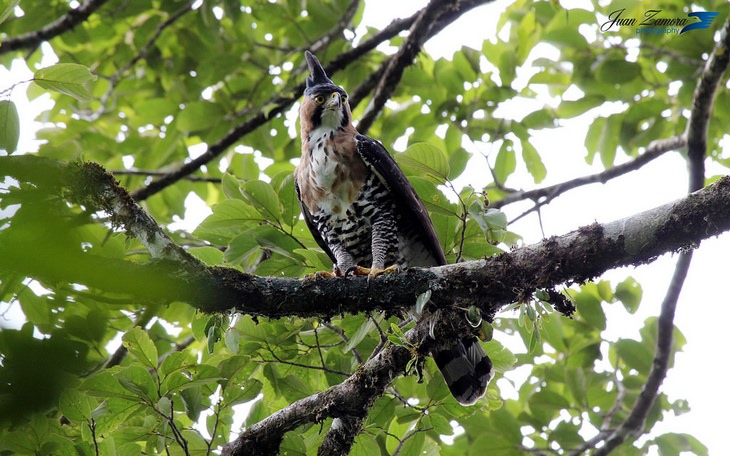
(261, 196)
(213, 337)
(432, 197)
(76, 406)
(139, 344)
(413, 442)
(424, 159)
(7, 7)
(105, 384)
(502, 359)
(362, 332)
(242, 392)
(679, 443)
(244, 166)
(232, 338)
(66, 78)
(164, 405)
(199, 115)
(575, 379)
(593, 138)
(635, 354)
(629, 292)
(547, 404)
(193, 402)
(589, 307)
(533, 161)
(506, 161)
(568, 109)
(288, 198)
(609, 140)
(617, 71)
(9, 126)
(365, 445)
(139, 381)
(421, 301)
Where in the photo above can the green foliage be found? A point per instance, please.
(9, 126)
(67, 78)
(148, 86)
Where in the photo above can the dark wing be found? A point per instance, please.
(312, 227)
(409, 204)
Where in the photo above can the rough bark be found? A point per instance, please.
(489, 283)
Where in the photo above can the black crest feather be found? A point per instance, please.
(318, 78)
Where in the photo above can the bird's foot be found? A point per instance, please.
(323, 274)
(371, 273)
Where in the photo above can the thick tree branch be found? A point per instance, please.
(431, 19)
(31, 40)
(281, 104)
(702, 107)
(635, 421)
(350, 399)
(396, 65)
(341, 436)
(490, 283)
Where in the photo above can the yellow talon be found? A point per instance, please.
(372, 273)
(320, 275)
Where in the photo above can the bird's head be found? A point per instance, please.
(325, 103)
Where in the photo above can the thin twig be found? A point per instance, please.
(405, 439)
(547, 194)
(143, 52)
(305, 366)
(383, 337)
(345, 339)
(68, 21)
(142, 172)
(319, 348)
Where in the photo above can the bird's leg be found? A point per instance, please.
(384, 238)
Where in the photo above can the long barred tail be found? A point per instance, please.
(466, 368)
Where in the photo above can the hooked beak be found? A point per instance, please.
(334, 103)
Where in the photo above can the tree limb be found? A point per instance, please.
(350, 399)
(655, 150)
(68, 21)
(490, 283)
(431, 19)
(281, 104)
(702, 107)
(696, 145)
(635, 421)
(142, 54)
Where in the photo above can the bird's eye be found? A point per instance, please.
(319, 99)
(344, 97)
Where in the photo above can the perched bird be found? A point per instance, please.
(366, 216)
